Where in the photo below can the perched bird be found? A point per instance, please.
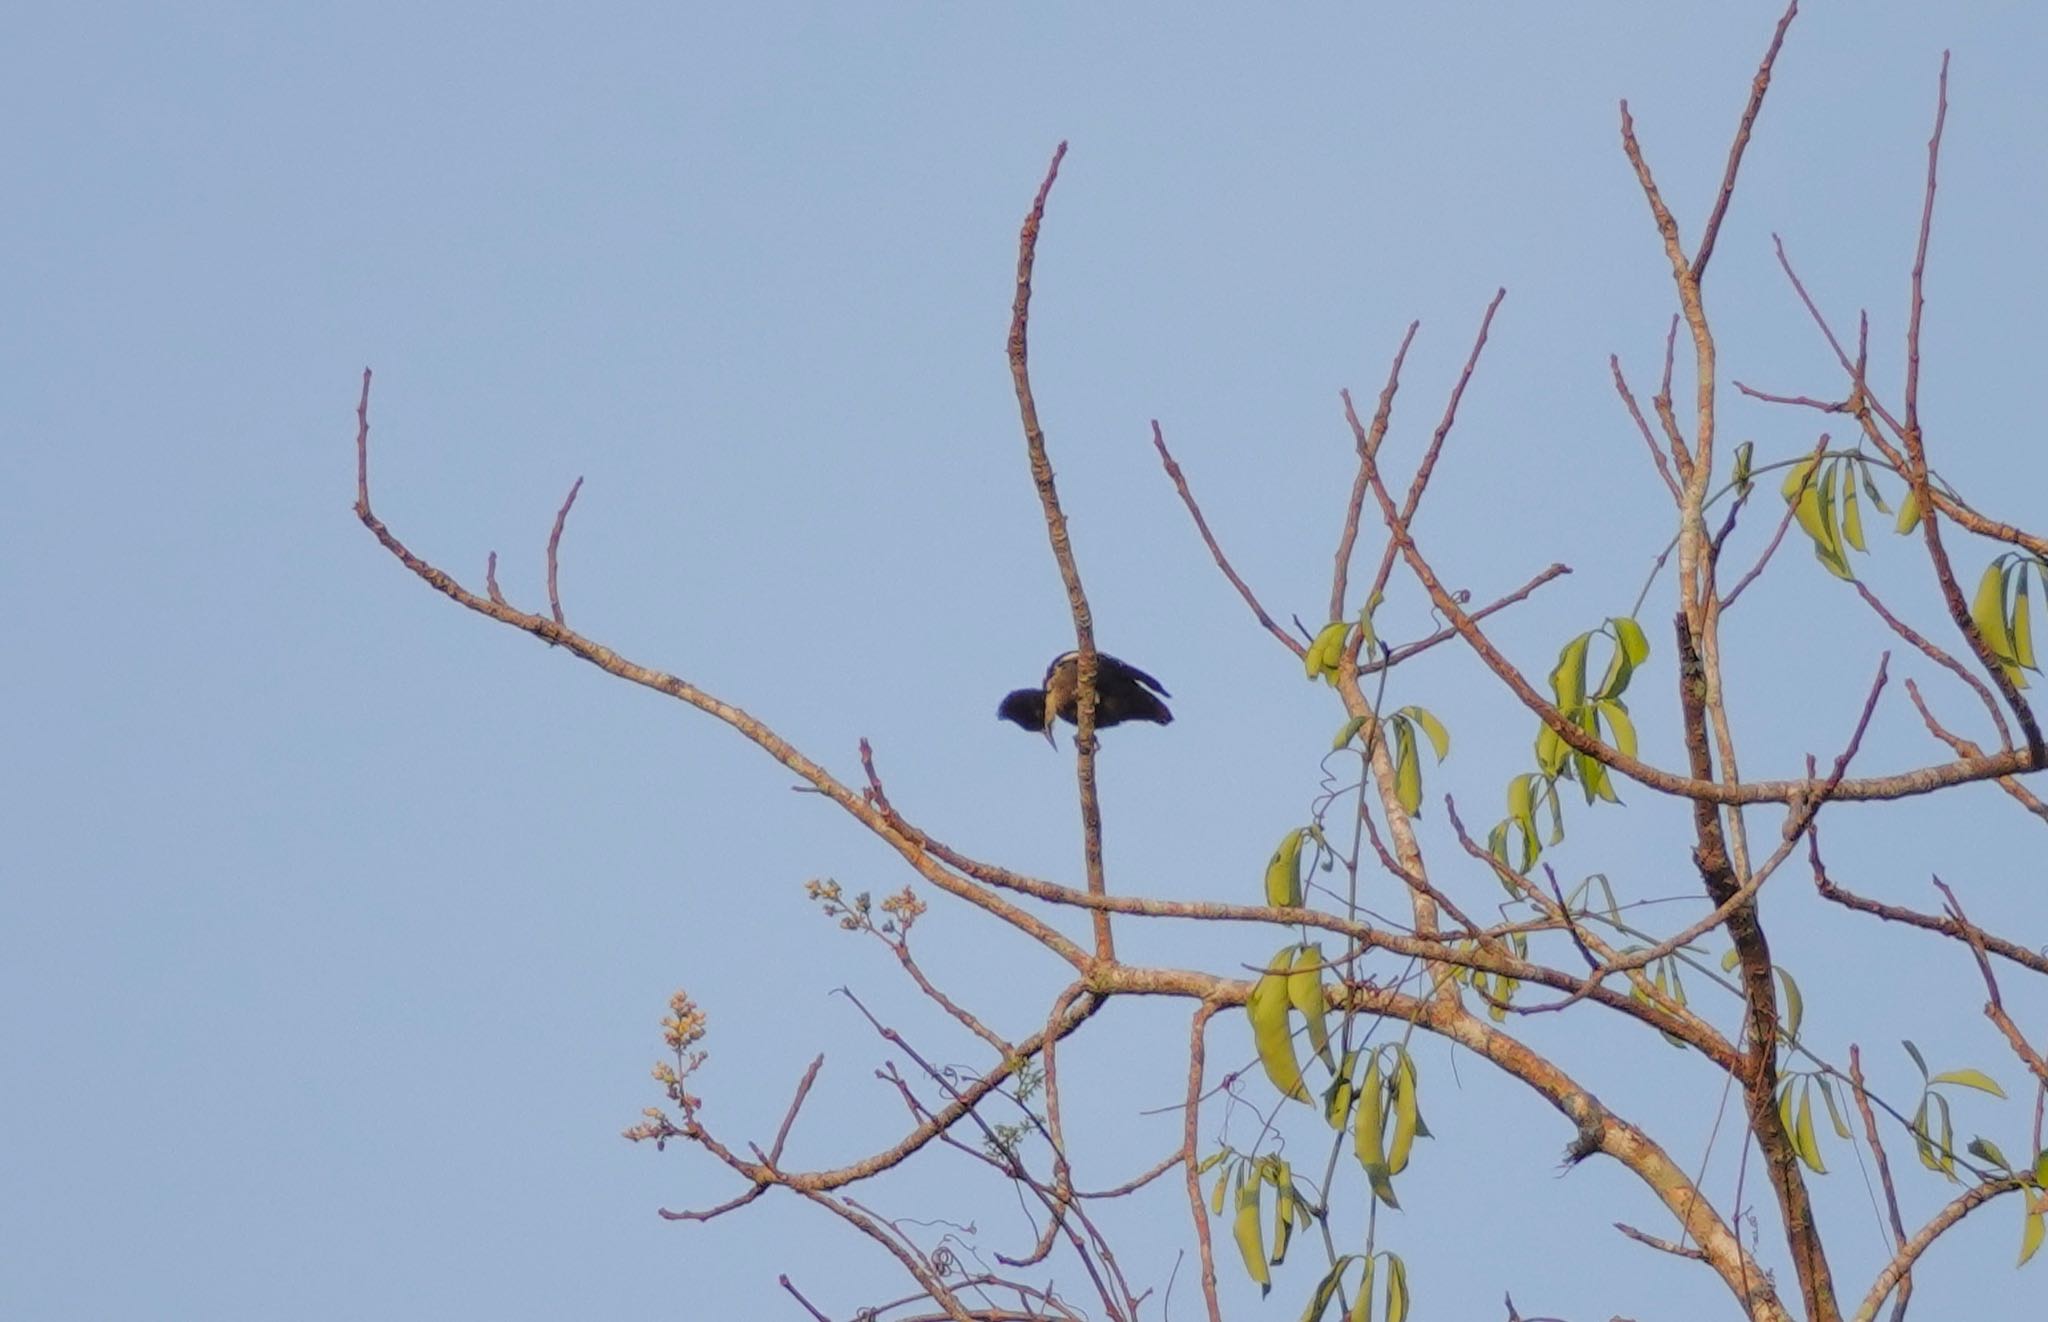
(1122, 693)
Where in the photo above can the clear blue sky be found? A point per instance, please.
(339, 923)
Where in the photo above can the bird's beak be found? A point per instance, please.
(1050, 742)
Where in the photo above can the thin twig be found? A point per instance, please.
(555, 550)
(1369, 441)
(1180, 484)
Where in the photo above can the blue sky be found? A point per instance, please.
(339, 923)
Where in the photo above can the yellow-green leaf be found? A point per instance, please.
(1439, 737)
(1305, 994)
(1622, 729)
(1348, 732)
(1397, 1289)
(1337, 1097)
(1216, 1195)
(1407, 767)
(1745, 454)
(1852, 515)
(1795, 1004)
(2030, 1236)
(1367, 1138)
(1909, 512)
(2022, 627)
(1568, 680)
(1250, 1246)
(1283, 872)
(1988, 611)
(1977, 1079)
(1985, 1150)
(1407, 1116)
(1807, 1144)
(1267, 1007)
(1361, 1307)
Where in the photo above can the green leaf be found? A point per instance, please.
(1985, 1150)
(1568, 680)
(1870, 487)
(2022, 627)
(1282, 1180)
(1795, 1004)
(1620, 727)
(2041, 1168)
(1988, 611)
(1283, 872)
(1348, 733)
(1397, 1289)
(1553, 754)
(1730, 959)
(1977, 1079)
(1338, 1096)
(1326, 1290)
(1305, 994)
(1852, 515)
(1216, 1197)
(2030, 1235)
(1407, 766)
(1439, 737)
(1407, 1116)
(1267, 1008)
(1827, 1094)
(1361, 1307)
(1919, 1060)
(1367, 1138)
(1807, 1144)
(1250, 1246)
(1327, 651)
(1909, 512)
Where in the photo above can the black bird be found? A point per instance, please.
(1121, 694)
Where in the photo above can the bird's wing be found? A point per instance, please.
(1138, 675)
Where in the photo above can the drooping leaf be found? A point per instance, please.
(1870, 487)
(1282, 1180)
(1305, 994)
(1249, 1235)
(1283, 872)
(2030, 1235)
(1909, 513)
(1338, 1096)
(1914, 1052)
(1407, 1115)
(1267, 1008)
(1349, 732)
(1987, 610)
(1835, 1117)
(1439, 737)
(1621, 729)
(1361, 1307)
(1407, 766)
(1795, 1004)
(1397, 1289)
(1852, 515)
(1807, 1144)
(1367, 1134)
(1326, 1290)
(2022, 625)
(1568, 680)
